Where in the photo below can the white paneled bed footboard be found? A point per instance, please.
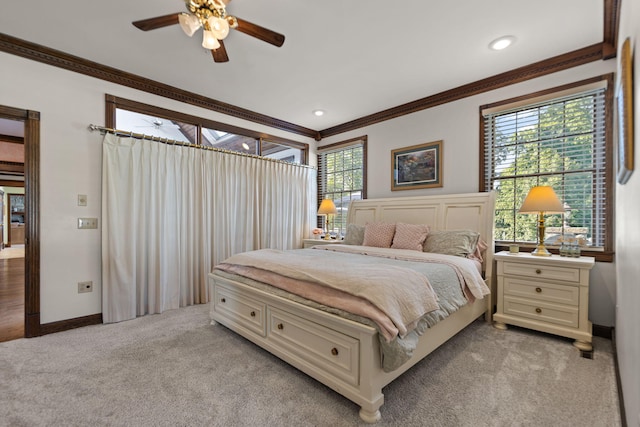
(344, 354)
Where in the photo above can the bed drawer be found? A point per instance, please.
(557, 314)
(549, 292)
(320, 346)
(240, 309)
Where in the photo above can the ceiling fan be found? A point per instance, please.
(211, 16)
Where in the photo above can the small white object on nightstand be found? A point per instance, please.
(547, 294)
(307, 243)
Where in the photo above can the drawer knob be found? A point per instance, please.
(334, 351)
(538, 271)
(253, 314)
(538, 310)
(223, 300)
(280, 326)
(538, 290)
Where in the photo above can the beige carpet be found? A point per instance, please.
(175, 369)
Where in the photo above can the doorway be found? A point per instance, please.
(23, 270)
(12, 263)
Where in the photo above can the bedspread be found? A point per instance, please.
(439, 268)
(409, 297)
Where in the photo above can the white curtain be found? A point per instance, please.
(171, 213)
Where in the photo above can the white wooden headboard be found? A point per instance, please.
(470, 211)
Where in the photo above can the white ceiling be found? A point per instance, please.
(351, 58)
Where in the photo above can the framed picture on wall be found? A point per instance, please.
(418, 166)
(624, 100)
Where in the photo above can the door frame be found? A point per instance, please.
(31, 120)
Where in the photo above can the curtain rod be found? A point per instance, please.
(131, 134)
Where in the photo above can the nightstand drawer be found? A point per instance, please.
(541, 311)
(564, 274)
(548, 292)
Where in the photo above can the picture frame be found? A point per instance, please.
(417, 166)
(624, 102)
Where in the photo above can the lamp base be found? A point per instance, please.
(541, 251)
(327, 236)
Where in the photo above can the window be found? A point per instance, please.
(150, 120)
(558, 139)
(342, 177)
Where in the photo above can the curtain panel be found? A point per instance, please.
(170, 213)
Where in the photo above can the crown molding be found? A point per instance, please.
(56, 58)
(611, 26)
(527, 72)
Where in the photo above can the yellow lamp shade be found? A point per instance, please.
(327, 207)
(541, 199)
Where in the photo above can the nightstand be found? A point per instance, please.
(547, 294)
(307, 243)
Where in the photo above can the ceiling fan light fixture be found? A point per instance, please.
(189, 23)
(219, 27)
(209, 40)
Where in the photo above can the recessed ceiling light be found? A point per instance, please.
(502, 43)
(318, 113)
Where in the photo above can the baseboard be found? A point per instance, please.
(65, 325)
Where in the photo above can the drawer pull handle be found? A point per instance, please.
(538, 271)
(538, 290)
(334, 351)
(538, 310)
(253, 314)
(223, 300)
(280, 326)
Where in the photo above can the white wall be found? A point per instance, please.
(71, 162)
(628, 242)
(458, 125)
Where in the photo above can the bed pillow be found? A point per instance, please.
(480, 248)
(410, 236)
(379, 234)
(354, 235)
(452, 242)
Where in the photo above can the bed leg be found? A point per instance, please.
(370, 416)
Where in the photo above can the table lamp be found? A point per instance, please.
(541, 199)
(327, 207)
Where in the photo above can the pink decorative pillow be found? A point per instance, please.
(410, 236)
(378, 234)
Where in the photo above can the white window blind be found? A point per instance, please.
(559, 142)
(341, 178)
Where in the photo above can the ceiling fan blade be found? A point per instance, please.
(220, 54)
(259, 32)
(157, 22)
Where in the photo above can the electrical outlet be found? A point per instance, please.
(82, 200)
(85, 287)
(84, 223)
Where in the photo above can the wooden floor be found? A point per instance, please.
(11, 298)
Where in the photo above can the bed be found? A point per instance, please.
(336, 350)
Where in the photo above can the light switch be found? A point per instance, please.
(85, 223)
(82, 200)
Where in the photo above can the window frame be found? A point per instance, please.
(362, 140)
(606, 254)
(114, 102)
